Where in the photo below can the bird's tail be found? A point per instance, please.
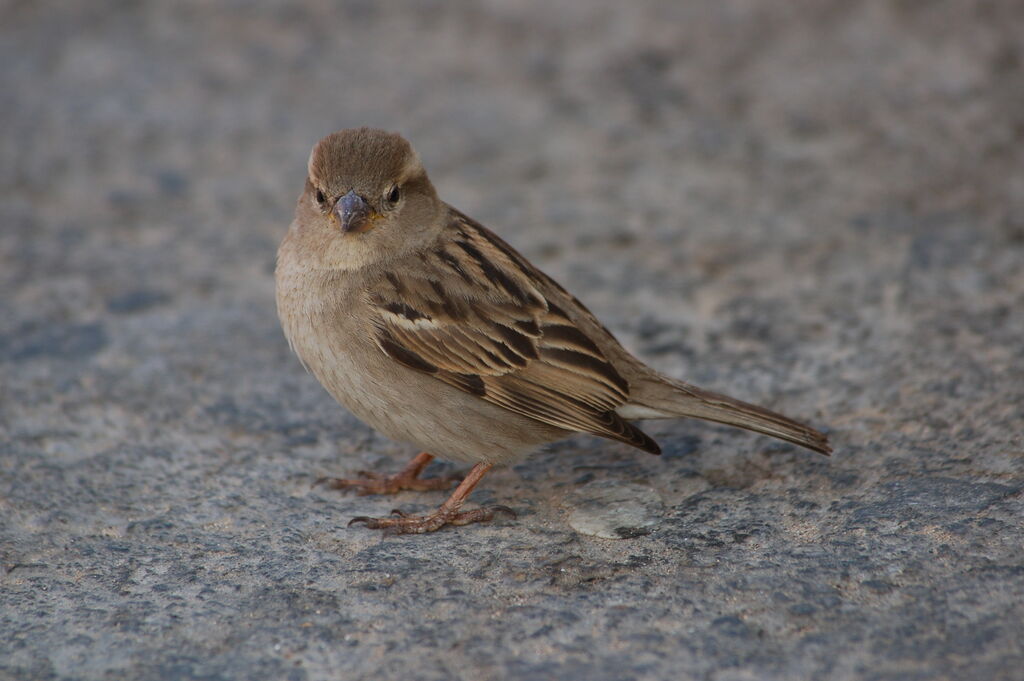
(663, 397)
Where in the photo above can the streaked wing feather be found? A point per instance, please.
(476, 318)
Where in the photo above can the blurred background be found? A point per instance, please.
(817, 206)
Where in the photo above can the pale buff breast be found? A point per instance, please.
(326, 328)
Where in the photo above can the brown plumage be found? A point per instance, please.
(433, 330)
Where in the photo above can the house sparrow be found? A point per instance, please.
(434, 331)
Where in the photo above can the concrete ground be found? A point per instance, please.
(817, 206)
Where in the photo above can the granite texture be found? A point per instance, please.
(817, 206)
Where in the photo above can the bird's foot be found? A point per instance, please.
(369, 482)
(402, 523)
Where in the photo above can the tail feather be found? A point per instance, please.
(667, 398)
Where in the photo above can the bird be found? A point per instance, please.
(434, 331)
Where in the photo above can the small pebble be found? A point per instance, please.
(616, 510)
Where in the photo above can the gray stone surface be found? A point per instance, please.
(818, 206)
(611, 509)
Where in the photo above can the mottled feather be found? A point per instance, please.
(492, 332)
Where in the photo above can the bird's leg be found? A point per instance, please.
(448, 514)
(369, 482)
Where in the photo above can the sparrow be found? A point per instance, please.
(432, 330)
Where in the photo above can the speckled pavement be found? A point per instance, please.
(818, 207)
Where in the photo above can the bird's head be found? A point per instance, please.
(367, 199)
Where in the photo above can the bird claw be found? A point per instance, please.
(504, 509)
(402, 523)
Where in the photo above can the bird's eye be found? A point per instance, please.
(320, 198)
(393, 195)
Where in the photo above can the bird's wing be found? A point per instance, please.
(473, 314)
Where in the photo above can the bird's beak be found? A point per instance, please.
(353, 214)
